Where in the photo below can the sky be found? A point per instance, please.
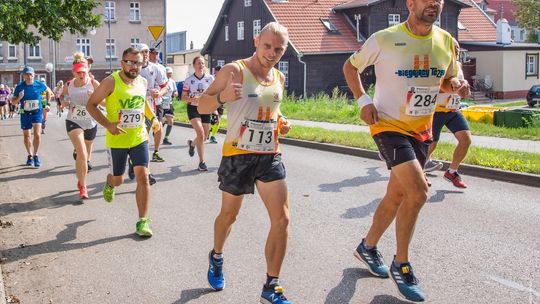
(197, 17)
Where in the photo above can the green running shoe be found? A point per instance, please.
(143, 227)
(108, 193)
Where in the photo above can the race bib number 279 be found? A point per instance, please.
(130, 118)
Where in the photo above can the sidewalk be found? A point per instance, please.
(530, 146)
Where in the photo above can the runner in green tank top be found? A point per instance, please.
(124, 93)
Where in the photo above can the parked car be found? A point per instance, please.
(533, 96)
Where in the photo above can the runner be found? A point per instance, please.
(28, 94)
(45, 101)
(4, 94)
(216, 117)
(413, 61)
(156, 77)
(253, 89)
(124, 92)
(167, 105)
(80, 126)
(194, 86)
(448, 114)
(13, 108)
(57, 93)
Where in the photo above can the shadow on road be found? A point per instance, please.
(386, 299)
(439, 195)
(192, 294)
(37, 173)
(372, 177)
(362, 211)
(60, 244)
(57, 200)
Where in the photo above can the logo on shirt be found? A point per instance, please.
(421, 69)
(400, 44)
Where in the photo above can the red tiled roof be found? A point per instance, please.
(479, 28)
(306, 31)
(508, 8)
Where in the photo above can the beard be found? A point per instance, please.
(131, 74)
(429, 17)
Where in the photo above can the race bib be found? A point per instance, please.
(453, 101)
(31, 105)
(3, 97)
(421, 100)
(130, 118)
(79, 112)
(257, 136)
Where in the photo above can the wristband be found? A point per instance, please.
(218, 97)
(364, 100)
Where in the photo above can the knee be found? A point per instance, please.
(281, 222)
(418, 197)
(228, 217)
(143, 180)
(466, 141)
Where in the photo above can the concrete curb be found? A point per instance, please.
(2, 287)
(477, 171)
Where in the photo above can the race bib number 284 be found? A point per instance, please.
(421, 100)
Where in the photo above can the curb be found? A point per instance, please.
(525, 179)
(2, 287)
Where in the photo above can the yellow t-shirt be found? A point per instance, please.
(409, 70)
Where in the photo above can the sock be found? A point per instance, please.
(168, 131)
(271, 282)
(214, 128)
(217, 256)
(452, 171)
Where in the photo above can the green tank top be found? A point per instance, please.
(126, 104)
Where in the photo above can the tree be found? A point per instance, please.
(528, 14)
(27, 21)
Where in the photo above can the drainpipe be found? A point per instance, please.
(300, 55)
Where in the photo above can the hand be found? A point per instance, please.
(233, 90)
(464, 90)
(156, 125)
(369, 114)
(154, 93)
(114, 129)
(21, 94)
(284, 126)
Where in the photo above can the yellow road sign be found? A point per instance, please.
(156, 30)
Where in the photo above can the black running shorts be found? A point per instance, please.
(397, 148)
(193, 113)
(454, 121)
(89, 134)
(138, 155)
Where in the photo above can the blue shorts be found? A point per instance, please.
(138, 156)
(454, 121)
(28, 119)
(397, 148)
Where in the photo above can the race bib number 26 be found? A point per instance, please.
(257, 136)
(421, 100)
(79, 112)
(130, 118)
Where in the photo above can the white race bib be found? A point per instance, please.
(3, 97)
(257, 136)
(79, 112)
(453, 101)
(421, 100)
(31, 105)
(130, 118)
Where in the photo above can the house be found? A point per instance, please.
(182, 63)
(323, 34)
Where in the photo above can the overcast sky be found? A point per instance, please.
(197, 17)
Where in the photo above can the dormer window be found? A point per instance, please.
(329, 25)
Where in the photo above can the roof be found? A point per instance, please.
(360, 3)
(507, 7)
(307, 32)
(479, 27)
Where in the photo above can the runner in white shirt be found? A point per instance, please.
(167, 105)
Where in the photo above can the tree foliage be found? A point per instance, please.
(27, 21)
(528, 13)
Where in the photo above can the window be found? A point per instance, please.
(110, 48)
(240, 30)
(256, 28)
(283, 67)
(83, 46)
(135, 42)
(134, 12)
(329, 25)
(247, 3)
(34, 51)
(220, 63)
(531, 65)
(110, 10)
(12, 51)
(41, 77)
(393, 19)
(226, 33)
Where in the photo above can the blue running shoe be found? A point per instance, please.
(37, 163)
(406, 282)
(216, 279)
(29, 161)
(373, 260)
(274, 296)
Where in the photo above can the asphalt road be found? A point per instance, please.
(479, 245)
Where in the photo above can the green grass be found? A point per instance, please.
(511, 104)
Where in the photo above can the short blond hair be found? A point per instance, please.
(275, 28)
(79, 58)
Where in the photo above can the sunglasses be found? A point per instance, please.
(132, 63)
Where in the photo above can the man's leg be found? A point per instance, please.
(27, 141)
(142, 192)
(230, 206)
(464, 142)
(37, 137)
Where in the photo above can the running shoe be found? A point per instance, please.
(202, 166)
(108, 192)
(167, 142)
(156, 158)
(29, 160)
(191, 150)
(373, 260)
(274, 295)
(215, 276)
(131, 172)
(213, 140)
(432, 165)
(37, 162)
(83, 191)
(143, 227)
(151, 179)
(406, 283)
(455, 179)
(89, 164)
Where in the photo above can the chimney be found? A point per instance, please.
(191, 45)
(504, 34)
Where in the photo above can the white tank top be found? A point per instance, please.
(78, 98)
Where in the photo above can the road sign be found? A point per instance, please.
(156, 30)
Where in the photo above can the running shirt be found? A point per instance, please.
(126, 104)
(409, 70)
(194, 87)
(4, 96)
(31, 101)
(252, 120)
(78, 98)
(156, 78)
(167, 98)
